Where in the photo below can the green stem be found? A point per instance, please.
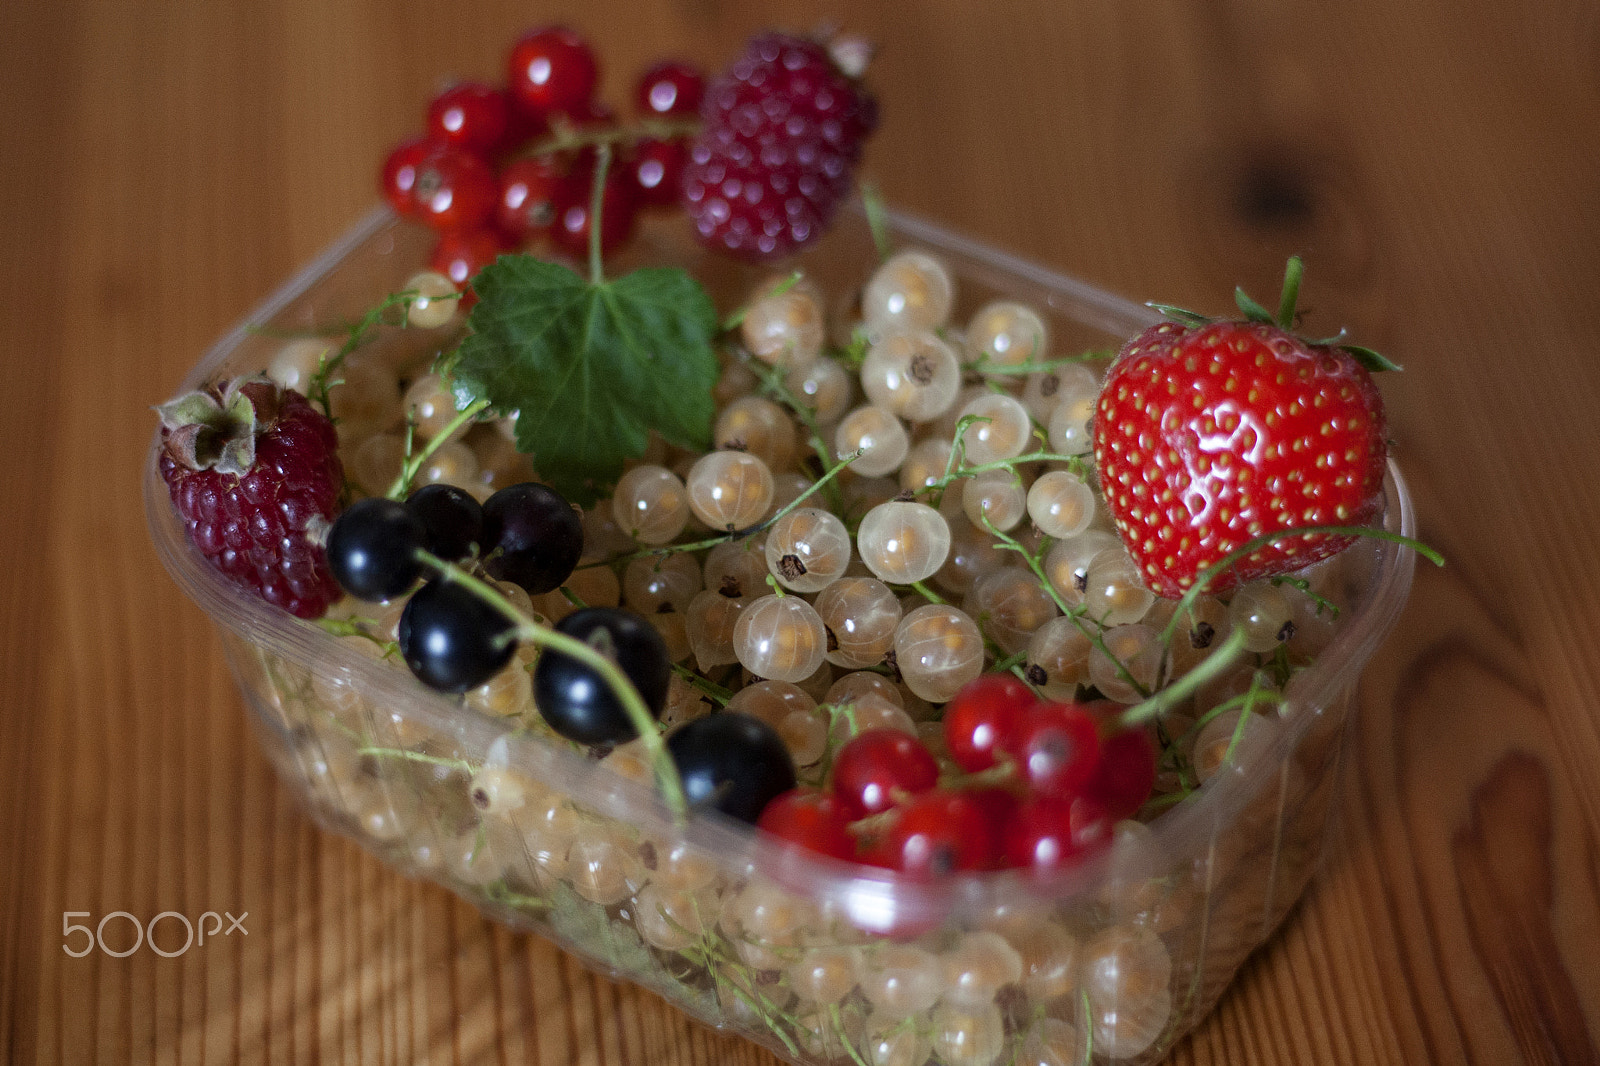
(735, 320)
(710, 688)
(989, 368)
(567, 137)
(1210, 573)
(877, 220)
(416, 756)
(408, 469)
(1293, 271)
(928, 594)
(638, 714)
(1095, 635)
(1221, 657)
(601, 166)
(736, 534)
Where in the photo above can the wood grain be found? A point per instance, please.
(165, 165)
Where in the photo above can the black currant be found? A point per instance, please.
(732, 762)
(531, 537)
(372, 549)
(451, 638)
(451, 519)
(576, 701)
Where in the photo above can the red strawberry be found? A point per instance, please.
(1211, 434)
(783, 131)
(250, 466)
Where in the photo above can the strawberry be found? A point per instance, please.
(1210, 434)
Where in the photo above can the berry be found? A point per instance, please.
(1046, 833)
(470, 115)
(733, 763)
(398, 176)
(940, 833)
(529, 189)
(982, 720)
(532, 536)
(783, 129)
(670, 88)
(446, 187)
(576, 701)
(451, 638)
(552, 70)
(876, 764)
(1057, 750)
(452, 521)
(573, 204)
(656, 172)
(459, 255)
(1210, 434)
(249, 466)
(1126, 775)
(372, 549)
(813, 820)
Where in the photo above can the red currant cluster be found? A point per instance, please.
(1041, 786)
(496, 169)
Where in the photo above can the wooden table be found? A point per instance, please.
(165, 165)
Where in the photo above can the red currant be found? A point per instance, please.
(529, 189)
(552, 70)
(940, 833)
(1057, 750)
(1126, 775)
(812, 820)
(399, 175)
(877, 763)
(670, 88)
(461, 254)
(471, 115)
(999, 809)
(981, 720)
(657, 172)
(453, 189)
(1052, 834)
(573, 204)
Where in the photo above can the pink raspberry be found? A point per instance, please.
(250, 466)
(783, 130)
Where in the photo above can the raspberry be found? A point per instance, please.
(783, 130)
(250, 466)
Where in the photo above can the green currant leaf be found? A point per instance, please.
(591, 367)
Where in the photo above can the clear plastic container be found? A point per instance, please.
(818, 961)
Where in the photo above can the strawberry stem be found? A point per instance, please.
(1293, 271)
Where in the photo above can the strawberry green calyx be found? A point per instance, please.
(214, 428)
(1293, 272)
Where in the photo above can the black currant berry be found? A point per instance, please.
(452, 639)
(576, 701)
(732, 762)
(531, 537)
(451, 519)
(372, 549)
